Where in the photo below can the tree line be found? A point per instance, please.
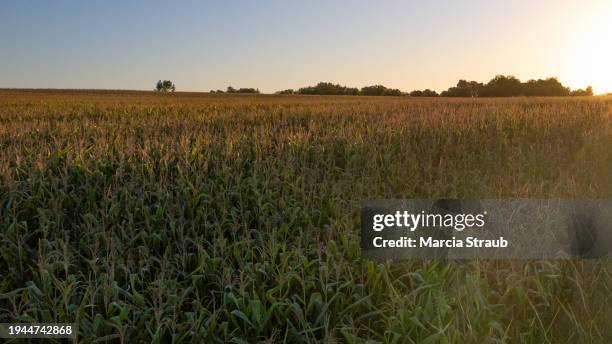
(230, 89)
(328, 88)
(168, 86)
(510, 86)
(499, 86)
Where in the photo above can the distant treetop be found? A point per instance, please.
(230, 89)
(327, 88)
(165, 86)
(380, 90)
(425, 93)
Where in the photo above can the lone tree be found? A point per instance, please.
(165, 86)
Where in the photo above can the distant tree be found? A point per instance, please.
(544, 88)
(423, 93)
(327, 88)
(464, 89)
(586, 92)
(502, 86)
(287, 91)
(230, 89)
(471, 88)
(416, 93)
(380, 90)
(376, 90)
(165, 86)
(248, 90)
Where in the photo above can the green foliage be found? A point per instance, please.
(509, 86)
(236, 219)
(165, 86)
(549, 87)
(464, 89)
(423, 93)
(328, 88)
(380, 90)
(499, 86)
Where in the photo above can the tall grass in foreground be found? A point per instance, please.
(216, 219)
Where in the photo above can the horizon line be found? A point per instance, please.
(404, 94)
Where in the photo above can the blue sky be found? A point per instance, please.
(273, 45)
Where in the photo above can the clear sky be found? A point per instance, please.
(274, 45)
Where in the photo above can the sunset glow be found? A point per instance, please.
(271, 46)
(588, 60)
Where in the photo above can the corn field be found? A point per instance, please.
(193, 218)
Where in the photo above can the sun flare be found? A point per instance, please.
(589, 60)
